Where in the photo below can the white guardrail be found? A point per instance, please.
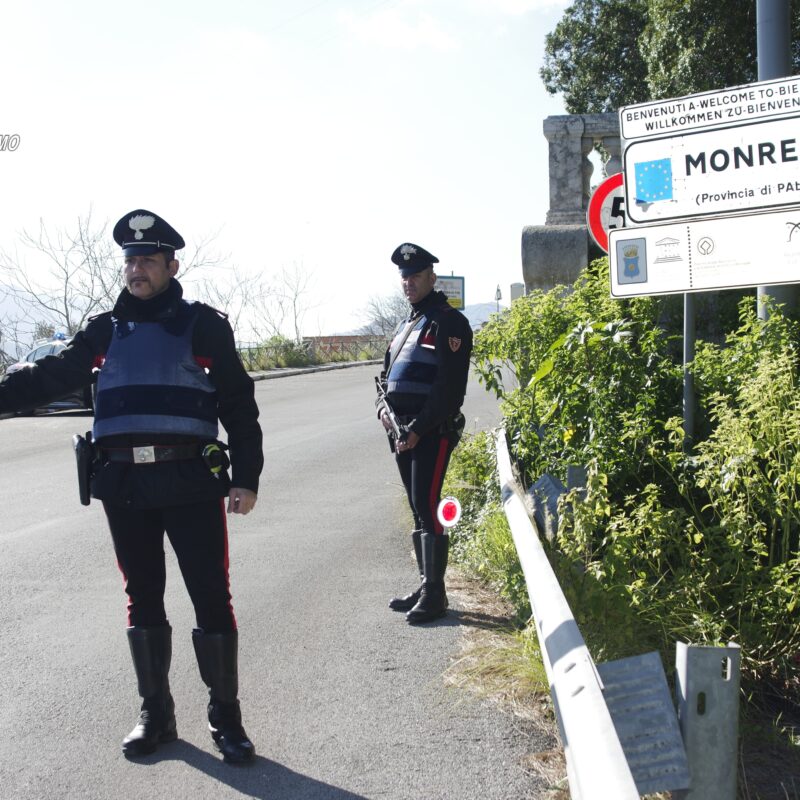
(596, 765)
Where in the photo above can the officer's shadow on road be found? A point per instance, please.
(472, 619)
(261, 779)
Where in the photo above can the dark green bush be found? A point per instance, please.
(595, 379)
(482, 540)
(663, 544)
(278, 351)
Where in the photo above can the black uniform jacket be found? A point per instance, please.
(453, 345)
(163, 483)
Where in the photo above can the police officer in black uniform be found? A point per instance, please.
(168, 372)
(425, 379)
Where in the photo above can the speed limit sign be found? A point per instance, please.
(606, 209)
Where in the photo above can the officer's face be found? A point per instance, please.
(419, 285)
(147, 276)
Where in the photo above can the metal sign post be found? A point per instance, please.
(688, 379)
(773, 44)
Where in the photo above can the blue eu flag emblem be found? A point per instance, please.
(653, 180)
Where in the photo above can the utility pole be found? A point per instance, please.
(773, 26)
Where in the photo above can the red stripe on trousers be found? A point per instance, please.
(436, 484)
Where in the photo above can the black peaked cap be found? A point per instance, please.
(141, 233)
(412, 258)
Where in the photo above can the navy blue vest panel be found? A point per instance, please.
(414, 370)
(151, 383)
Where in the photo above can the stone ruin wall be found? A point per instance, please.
(556, 252)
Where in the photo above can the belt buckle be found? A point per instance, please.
(144, 455)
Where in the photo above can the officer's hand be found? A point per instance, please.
(241, 501)
(409, 443)
(385, 420)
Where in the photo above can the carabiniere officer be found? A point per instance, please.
(168, 372)
(425, 379)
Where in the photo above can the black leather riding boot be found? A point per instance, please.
(217, 657)
(432, 602)
(410, 600)
(151, 649)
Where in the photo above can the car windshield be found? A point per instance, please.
(44, 350)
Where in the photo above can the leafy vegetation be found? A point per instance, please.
(661, 49)
(576, 54)
(665, 541)
(280, 351)
(484, 544)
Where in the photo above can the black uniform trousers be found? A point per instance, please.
(198, 534)
(422, 470)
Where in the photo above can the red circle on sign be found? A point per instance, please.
(593, 213)
(449, 511)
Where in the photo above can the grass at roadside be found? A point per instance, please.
(500, 662)
(500, 656)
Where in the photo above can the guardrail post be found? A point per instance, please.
(707, 689)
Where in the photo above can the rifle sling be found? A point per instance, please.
(412, 323)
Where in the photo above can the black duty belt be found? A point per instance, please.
(151, 453)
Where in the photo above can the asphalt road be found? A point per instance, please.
(342, 698)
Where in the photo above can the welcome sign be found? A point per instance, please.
(740, 168)
(732, 106)
(705, 254)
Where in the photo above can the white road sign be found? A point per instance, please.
(453, 287)
(731, 106)
(738, 169)
(703, 255)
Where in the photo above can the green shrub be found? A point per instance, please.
(482, 541)
(471, 475)
(278, 351)
(596, 383)
(288, 352)
(663, 544)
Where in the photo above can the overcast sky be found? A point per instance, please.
(321, 133)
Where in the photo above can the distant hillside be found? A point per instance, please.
(479, 313)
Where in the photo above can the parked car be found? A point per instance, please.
(81, 398)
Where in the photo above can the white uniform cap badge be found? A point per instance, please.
(139, 223)
(407, 251)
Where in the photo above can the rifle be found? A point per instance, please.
(398, 431)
